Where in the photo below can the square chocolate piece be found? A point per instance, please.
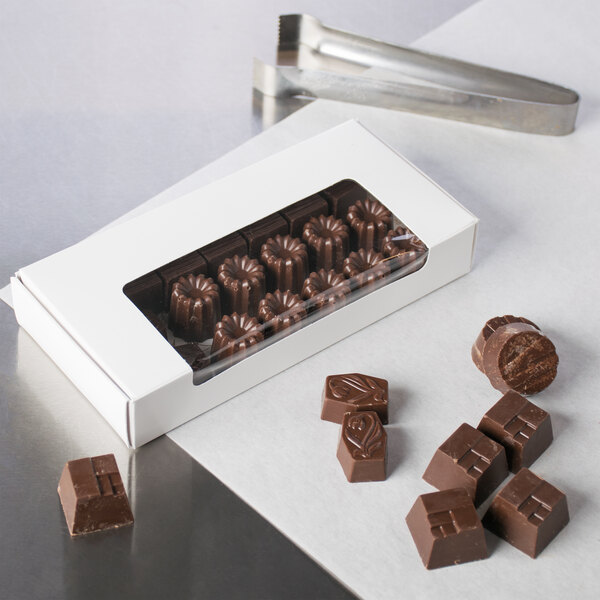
(342, 196)
(299, 213)
(524, 429)
(92, 495)
(190, 264)
(353, 392)
(528, 513)
(362, 447)
(258, 233)
(146, 292)
(468, 459)
(446, 529)
(218, 251)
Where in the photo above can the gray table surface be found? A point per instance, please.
(104, 105)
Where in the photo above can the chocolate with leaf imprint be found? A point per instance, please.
(354, 392)
(362, 447)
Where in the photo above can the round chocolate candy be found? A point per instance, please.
(243, 282)
(515, 355)
(235, 334)
(404, 247)
(281, 310)
(369, 221)
(286, 260)
(328, 241)
(195, 307)
(365, 267)
(325, 288)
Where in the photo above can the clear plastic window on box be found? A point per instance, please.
(233, 297)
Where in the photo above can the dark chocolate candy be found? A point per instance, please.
(328, 241)
(234, 334)
(190, 264)
(365, 267)
(518, 356)
(281, 310)
(92, 495)
(157, 321)
(218, 251)
(325, 289)
(342, 196)
(258, 233)
(299, 213)
(354, 392)
(446, 529)
(524, 429)
(488, 329)
(362, 447)
(528, 513)
(193, 355)
(146, 292)
(405, 249)
(195, 307)
(468, 459)
(369, 222)
(243, 282)
(286, 260)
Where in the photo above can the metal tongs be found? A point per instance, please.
(317, 61)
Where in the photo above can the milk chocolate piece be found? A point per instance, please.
(488, 329)
(146, 292)
(325, 289)
(235, 334)
(524, 429)
(518, 356)
(365, 267)
(190, 264)
(328, 241)
(195, 307)
(157, 321)
(218, 251)
(286, 260)
(446, 529)
(362, 447)
(468, 459)
(193, 356)
(528, 513)
(405, 249)
(354, 392)
(280, 310)
(369, 222)
(299, 213)
(244, 284)
(258, 233)
(92, 495)
(342, 196)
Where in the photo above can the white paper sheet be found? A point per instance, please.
(537, 256)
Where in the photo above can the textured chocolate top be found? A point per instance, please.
(195, 287)
(370, 220)
(365, 266)
(244, 283)
(226, 247)
(402, 244)
(281, 310)
(190, 264)
(235, 333)
(363, 435)
(328, 241)
(325, 287)
(286, 260)
(298, 213)
(258, 233)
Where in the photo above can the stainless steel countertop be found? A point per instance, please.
(104, 105)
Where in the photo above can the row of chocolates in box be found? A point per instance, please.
(306, 257)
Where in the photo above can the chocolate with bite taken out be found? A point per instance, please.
(524, 429)
(528, 513)
(362, 447)
(446, 529)
(468, 459)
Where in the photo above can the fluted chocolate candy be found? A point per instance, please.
(365, 267)
(369, 222)
(528, 513)
(405, 248)
(92, 495)
(446, 529)
(325, 289)
(468, 459)
(328, 241)
(195, 307)
(515, 354)
(190, 264)
(354, 392)
(362, 447)
(286, 260)
(235, 334)
(281, 310)
(242, 280)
